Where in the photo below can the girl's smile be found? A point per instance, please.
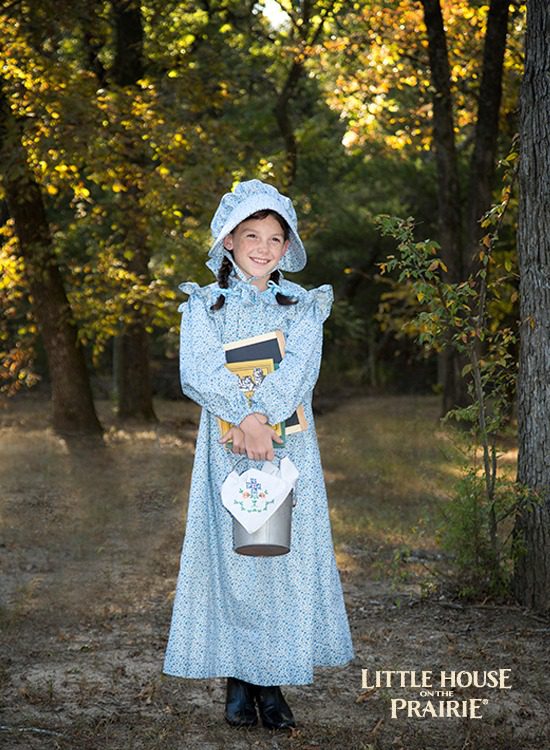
(257, 245)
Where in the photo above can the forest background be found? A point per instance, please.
(124, 122)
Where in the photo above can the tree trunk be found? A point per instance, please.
(458, 255)
(444, 142)
(532, 530)
(93, 41)
(128, 63)
(482, 165)
(282, 115)
(309, 26)
(132, 351)
(73, 407)
(133, 378)
(448, 193)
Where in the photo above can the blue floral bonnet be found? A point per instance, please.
(245, 199)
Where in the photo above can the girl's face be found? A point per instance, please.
(258, 245)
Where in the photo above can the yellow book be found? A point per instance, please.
(251, 374)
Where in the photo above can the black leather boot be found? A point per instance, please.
(240, 710)
(274, 711)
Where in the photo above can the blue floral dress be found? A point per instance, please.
(266, 620)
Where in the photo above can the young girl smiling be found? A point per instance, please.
(259, 621)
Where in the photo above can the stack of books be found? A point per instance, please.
(252, 360)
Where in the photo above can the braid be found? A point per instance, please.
(282, 299)
(223, 278)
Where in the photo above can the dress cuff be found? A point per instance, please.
(257, 405)
(241, 414)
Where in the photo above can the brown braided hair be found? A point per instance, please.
(226, 266)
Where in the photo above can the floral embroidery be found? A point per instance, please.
(251, 495)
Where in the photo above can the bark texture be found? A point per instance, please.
(128, 63)
(456, 252)
(132, 367)
(482, 164)
(282, 115)
(73, 407)
(448, 193)
(532, 531)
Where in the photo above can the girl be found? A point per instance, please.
(259, 621)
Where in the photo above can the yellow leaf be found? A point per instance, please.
(51, 190)
(81, 192)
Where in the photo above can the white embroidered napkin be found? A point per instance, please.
(253, 497)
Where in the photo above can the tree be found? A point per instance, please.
(307, 23)
(532, 529)
(459, 256)
(73, 407)
(427, 87)
(132, 368)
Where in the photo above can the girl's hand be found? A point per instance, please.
(258, 438)
(236, 435)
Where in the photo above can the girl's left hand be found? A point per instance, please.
(259, 437)
(236, 435)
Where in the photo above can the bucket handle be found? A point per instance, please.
(242, 457)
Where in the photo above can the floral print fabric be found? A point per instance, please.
(266, 620)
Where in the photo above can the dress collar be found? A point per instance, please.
(247, 292)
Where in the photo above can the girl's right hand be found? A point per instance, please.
(236, 436)
(258, 439)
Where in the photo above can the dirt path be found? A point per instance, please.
(89, 555)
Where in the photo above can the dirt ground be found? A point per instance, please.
(89, 554)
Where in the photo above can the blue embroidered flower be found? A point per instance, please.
(252, 495)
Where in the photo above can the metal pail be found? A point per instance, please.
(273, 538)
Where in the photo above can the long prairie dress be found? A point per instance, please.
(266, 620)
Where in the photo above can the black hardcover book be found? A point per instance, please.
(267, 346)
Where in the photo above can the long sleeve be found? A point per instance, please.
(203, 374)
(283, 391)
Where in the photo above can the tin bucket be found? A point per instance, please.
(273, 538)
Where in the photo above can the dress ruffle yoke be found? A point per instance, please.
(266, 620)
